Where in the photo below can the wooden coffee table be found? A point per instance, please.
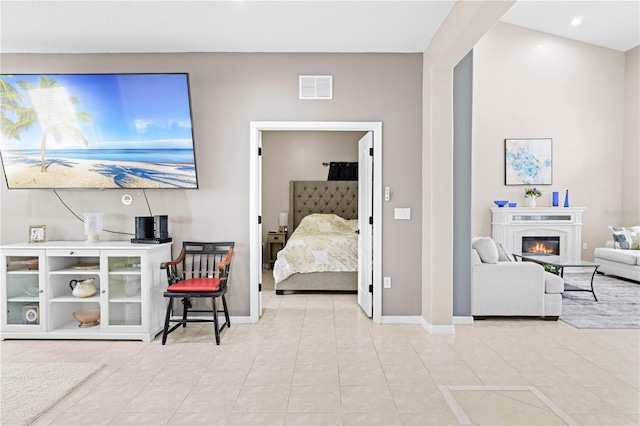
(559, 263)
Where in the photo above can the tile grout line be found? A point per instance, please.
(446, 390)
(555, 408)
(454, 406)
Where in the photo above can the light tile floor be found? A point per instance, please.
(315, 359)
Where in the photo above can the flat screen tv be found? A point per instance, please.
(97, 131)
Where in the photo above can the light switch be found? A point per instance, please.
(402, 213)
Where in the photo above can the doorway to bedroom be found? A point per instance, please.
(291, 151)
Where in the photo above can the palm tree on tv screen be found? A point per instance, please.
(51, 107)
(10, 99)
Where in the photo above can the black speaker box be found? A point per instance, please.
(152, 230)
(161, 226)
(144, 227)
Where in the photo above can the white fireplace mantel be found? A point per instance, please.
(510, 224)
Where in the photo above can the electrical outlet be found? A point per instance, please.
(387, 282)
(402, 213)
(584, 246)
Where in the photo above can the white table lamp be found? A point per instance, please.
(283, 221)
(93, 226)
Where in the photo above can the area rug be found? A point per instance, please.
(29, 390)
(618, 304)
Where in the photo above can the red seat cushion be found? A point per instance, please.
(198, 285)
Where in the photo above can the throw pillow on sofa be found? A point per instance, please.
(486, 249)
(504, 255)
(626, 238)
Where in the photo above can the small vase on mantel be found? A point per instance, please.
(532, 201)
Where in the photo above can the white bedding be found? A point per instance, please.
(321, 243)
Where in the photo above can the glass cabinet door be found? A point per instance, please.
(124, 295)
(23, 292)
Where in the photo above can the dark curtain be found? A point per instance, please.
(343, 171)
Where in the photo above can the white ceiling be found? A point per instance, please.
(612, 24)
(53, 26)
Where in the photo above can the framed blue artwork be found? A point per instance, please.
(528, 162)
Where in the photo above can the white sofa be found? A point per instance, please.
(618, 262)
(510, 288)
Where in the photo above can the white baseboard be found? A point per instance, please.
(432, 329)
(437, 329)
(462, 320)
(240, 320)
(389, 319)
(234, 320)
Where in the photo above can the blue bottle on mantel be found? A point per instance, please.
(566, 199)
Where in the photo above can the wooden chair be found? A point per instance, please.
(201, 271)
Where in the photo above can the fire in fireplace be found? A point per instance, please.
(541, 245)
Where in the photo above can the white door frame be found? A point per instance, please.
(255, 188)
(365, 228)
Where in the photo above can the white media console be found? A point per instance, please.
(36, 294)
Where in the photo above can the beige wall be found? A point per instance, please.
(228, 92)
(295, 155)
(630, 213)
(529, 84)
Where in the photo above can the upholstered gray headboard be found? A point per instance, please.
(336, 196)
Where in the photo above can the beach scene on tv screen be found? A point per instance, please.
(97, 131)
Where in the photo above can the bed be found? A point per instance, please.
(331, 206)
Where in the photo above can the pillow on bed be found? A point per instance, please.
(317, 223)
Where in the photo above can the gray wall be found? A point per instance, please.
(295, 155)
(462, 126)
(228, 91)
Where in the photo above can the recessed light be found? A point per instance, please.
(576, 21)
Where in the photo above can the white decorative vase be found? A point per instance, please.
(532, 201)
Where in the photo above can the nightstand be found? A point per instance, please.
(277, 239)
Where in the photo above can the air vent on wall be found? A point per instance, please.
(316, 87)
